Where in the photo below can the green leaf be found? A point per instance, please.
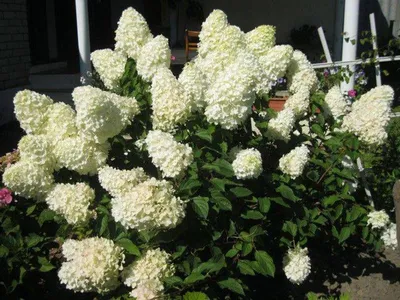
(190, 184)
(204, 135)
(328, 201)
(194, 277)
(279, 200)
(252, 215)
(316, 128)
(221, 167)
(45, 265)
(129, 246)
(218, 183)
(290, 227)
(241, 192)
(221, 201)
(264, 204)
(287, 192)
(173, 280)
(312, 296)
(46, 215)
(247, 248)
(266, 263)
(200, 206)
(3, 251)
(103, 225)
(33, 239)
(245, 268)
(232, 285)
(195, 296)
(345, 233)
(30, 209)
(232, 252)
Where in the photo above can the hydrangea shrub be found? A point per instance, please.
(161, 187)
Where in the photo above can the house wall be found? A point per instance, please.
(285, 14)
(14, 44)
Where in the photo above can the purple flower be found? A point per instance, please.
(5, 197)
(352, 93)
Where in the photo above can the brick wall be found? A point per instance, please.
(14, 44)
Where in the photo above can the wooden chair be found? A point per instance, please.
(191, 45)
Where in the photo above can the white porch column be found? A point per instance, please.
(350, 29)
(82, 22)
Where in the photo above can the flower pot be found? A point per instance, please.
(277, 103)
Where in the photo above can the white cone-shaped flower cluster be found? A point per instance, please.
(279, 128)
(92, 265)
(72, 201)
(276, 61)
(149, 205)
(297, 265)
(132, 33)
(171, 157)
(301, 73)
(261, 39)
(110, 65)
(170, 105)
(194, 84)
(294, 162)
(389, 236)
(211, 30)
(145, 276)
(335, 103)
(28, 180)
(370, 115)
(38, 150)
(247, 164)
(155, 55)
(119, 182)
(30, 109)
(299, 101)
(378, 219)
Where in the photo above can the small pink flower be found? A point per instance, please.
(5, 197)
(352, 93)
(173, 57)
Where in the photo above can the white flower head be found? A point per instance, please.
(92, 265)
(171, 157)
(378, 219)
(389, 236)
(247, 164)
(38, 150)
(297, 265)
(276, 61)
(301, 73)
(149, 205)
(261, 39)
(299, 101)
(72, 201)
(280, 127)
(110, 65)
(119, 182)
(335, 103)
(294, 162)
(194, 83)
(132, 33)
(155, 55)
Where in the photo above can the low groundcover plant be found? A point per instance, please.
(158, 187)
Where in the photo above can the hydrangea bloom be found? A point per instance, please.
(128, 106)
(155, 55)
(110, 65)
(276, 61)
(145, 276)
(80, 155)
(28, 180)
(279, 128)
(171, 157)
(194, 85)
(38, 150)
(296, 265)
(132, 33)
(299, 101)
(247, 164)
(118, 182)
(169, 102)
(370, 115)
(294, 162)
(213, 64)
(149, 205)
(335, 103)
(60, 123)
(98, 118)
(261, 39)
(230, 98)
(301, 73)
(215, 23)
(92, 265)
(389, 236)
(30, 109)
(72, 201)
(378, 219)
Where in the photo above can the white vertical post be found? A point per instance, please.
(82, 22)
(375, 47)
(324, 45)
(350, 29)
(339, 17)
